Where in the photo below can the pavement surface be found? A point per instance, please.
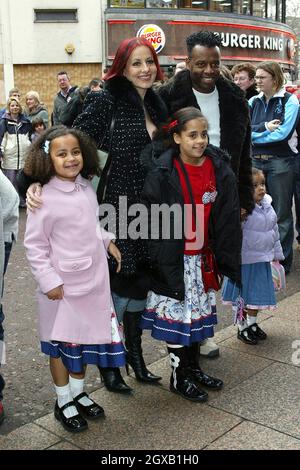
(258, 408)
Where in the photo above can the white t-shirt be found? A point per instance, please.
(209, 105)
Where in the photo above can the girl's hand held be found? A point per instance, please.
(55, 294)
(115, 252)
(33, 197)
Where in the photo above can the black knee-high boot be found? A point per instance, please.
(181, 380)
(198, 374)
(133, 344)
(113, 380)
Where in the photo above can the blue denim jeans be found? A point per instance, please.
(279, 174)
(124, 304)
(297, 195)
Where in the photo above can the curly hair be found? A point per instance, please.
(203, 38)
(38, 163)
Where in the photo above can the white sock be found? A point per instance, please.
(64, 396)
(77, 388)
(242, 325)
(251, 320)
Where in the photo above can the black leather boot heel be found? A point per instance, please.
(113, 380)
(133, 344)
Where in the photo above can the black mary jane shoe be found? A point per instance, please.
(247, 336)
(207, 380)
(75, 424)
(258, 332)
(93, 411)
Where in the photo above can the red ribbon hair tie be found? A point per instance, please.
(170, 126)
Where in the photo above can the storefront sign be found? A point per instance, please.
(154, 34)
(252, 41)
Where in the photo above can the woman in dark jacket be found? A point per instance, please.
(135, 110)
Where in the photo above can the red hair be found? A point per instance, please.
(123, 53)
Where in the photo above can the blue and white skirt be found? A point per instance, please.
(257, 291)
(187, 321)
(76, 356)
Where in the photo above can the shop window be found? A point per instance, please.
(271, 10)
(259, 8)
(127, 3)
(242, 7)
(199, 4)
(161, 4)
(224, 6)
(55, 16)
(280, 12)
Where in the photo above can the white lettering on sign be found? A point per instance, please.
(251, 41)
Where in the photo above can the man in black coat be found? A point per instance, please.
(224, 106)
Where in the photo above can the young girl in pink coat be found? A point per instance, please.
(67, 250)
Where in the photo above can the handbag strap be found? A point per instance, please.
(206, 250)
(189, 188)
(103, 179)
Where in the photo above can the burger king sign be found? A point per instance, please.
(154, 34)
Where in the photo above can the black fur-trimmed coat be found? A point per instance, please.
(126, 176)
(234, 124)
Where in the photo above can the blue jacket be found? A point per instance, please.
(282, 141)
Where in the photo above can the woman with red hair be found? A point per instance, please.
(129, 102)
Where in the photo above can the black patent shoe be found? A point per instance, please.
(113, 380)
(247, 336)
(75, 424)
(258, 332)
(206, 380)
(188, 390)
(93, 411)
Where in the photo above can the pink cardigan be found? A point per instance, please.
(66, 246)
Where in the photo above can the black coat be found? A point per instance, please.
(162, 186)
(126, 176)
(235, 125)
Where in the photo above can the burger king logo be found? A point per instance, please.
(154, 34)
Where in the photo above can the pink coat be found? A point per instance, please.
(65, 245)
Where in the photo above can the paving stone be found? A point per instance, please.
(251, 436)
(28, 437)
(63, 445)
(271, 398)
(281, 345)
(151, 419)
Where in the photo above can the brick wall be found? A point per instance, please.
(42, 78)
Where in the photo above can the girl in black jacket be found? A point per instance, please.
(181, 306)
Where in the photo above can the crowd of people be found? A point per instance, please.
(224, 166)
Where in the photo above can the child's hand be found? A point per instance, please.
(273, 125)
(55, 294)
(33, 199)
(115, 252)
(243, 214)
